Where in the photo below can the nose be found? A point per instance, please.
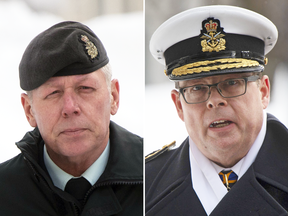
(70, 105)
(215, 100)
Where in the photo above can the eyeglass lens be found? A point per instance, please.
(227, 88)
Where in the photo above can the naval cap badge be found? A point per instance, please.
(91, 49)
(212, 35)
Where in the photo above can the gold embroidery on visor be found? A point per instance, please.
(222, 64)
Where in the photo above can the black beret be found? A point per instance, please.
(213, 40)
(67, 48)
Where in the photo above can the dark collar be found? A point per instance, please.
(170, 182)
(125, 160)
(126, 156)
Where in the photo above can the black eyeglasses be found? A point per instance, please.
(227, 89)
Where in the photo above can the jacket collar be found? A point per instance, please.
(172, 188)
(126, 154)
(272, 159)
(174, 180)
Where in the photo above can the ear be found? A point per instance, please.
(265, 91)
(27, 106)
(114, 96)
(175, 95)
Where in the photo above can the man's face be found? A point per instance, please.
(73, 114)
(240, 119)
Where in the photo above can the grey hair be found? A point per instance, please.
(177, 86)
(107, 70)
(30, 94)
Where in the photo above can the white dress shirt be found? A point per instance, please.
(204, 173)
(92, 174)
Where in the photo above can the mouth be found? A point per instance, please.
(73, 131)
(220, 124)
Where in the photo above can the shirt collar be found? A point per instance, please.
(60, 177)
(242, 166)
(204, 173)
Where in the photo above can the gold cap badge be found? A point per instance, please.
(212, 35)
(90, 47)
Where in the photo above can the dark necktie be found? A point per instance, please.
(78, 187)
(228, 177)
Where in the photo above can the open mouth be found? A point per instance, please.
(219, 124)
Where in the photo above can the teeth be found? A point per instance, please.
(218, 124)
(221, 125)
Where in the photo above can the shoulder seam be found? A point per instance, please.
(155, 154)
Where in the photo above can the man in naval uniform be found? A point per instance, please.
(235, 159)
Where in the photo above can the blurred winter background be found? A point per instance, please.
(118, 23)
(145, 106)
(162, 125)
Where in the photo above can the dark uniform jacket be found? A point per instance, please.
(261, 191)
(27, 190)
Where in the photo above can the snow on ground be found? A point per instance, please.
(122, 35)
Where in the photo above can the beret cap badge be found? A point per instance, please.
(212, 35)
(80, 52)
(92, 50)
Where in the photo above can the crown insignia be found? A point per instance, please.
(211, 26)
(92, 50)
(212, 36)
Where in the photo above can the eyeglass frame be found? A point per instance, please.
(252, 78)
